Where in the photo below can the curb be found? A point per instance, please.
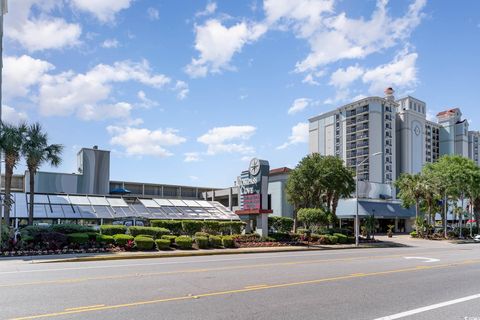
(200, 253)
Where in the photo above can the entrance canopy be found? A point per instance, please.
(367, 207)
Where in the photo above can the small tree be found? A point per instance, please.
(310, 217)
(411, 191)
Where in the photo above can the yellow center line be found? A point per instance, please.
(86, 307)
(250, 289)
(162, 273)
(256, 286)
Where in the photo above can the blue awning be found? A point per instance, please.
(120, 191)
(367, 207)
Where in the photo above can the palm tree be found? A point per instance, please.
(411, 191)
(37, 151)
(11, 141)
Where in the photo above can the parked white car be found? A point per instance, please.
(477, 238)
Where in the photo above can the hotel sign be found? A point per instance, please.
(253, 186)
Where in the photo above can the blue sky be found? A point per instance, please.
(186, 92)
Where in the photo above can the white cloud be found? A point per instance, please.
(342, 78)
(191, 157)
(400, 73)
(68, 92)
(30, 23)
(145, 142)
(209, 9)
(120, 110)
(299, 135)
(354, 38)
(182, 89)
(299, 105)
(110, 43)
(103, 10)
(230, 139)
(21, 73)
(145, 101)
(193, 178)
(217, 44)
(10, 115)
(153, 14)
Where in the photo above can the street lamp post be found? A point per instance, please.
(3, 11)
(357, 219)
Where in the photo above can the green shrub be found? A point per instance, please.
(163, 244)
(281, 236)
(215, 241)
(414, 234)
(228, 242)
(202, 242)
(145, 235)
(324, 239)
(169, 238)
(92, 236)
(211, 227)
(101, 238)
(351, 239)
(301, 230)
(232, 227)
(174, 226)
(315, 237)
(70, 228)
(341, 238)
(202, 234)
(280, 224)
(78, 238)
(333, 239)
(151, 231)
(32, 231)
(51, 240)
(122, 239)
(190, 227)
(184, 242)
(144, 243)
(110, 230)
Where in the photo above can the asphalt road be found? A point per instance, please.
(342, 284)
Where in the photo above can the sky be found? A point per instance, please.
(188, 91)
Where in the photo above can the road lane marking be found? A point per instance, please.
(252, 257)
(256, 286)
(427, 260)
(86, 307)
(429, 308)
(235, 291)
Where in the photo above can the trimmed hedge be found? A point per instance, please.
(184, 242)
(162, 244)
(122, 239)
(169, 238)
(190, 227)
(202, 242)
(215, 241)
(151, 231)
(280, 224)
(78, 238)
(101, 238)
(70, 228)
(228, 242)
(144, 243)
(111, 230)
(174, 226)
(342, 239)
(232, 227)
(202, 234)
(211, 227)
(414, 234)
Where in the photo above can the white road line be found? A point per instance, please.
(423, 258)
(428, 308)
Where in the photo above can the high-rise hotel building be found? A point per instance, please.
(398, 130)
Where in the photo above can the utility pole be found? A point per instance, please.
(3, 11)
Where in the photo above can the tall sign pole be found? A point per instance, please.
(3, 11)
